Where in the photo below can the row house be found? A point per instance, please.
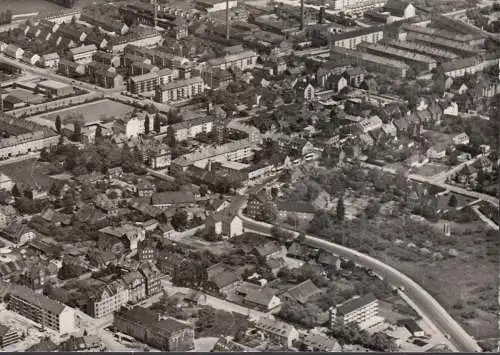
(72, 33)
(107, 24)
(83, 54)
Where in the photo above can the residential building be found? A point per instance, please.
(225, 344)
(302, 292)
(153, 277)
(13, 51)
(71, 69)
(191, 128)
(278, 331)
(146, 252)
(109, 59)
(83, 54)
(42, 310)
(148, 82)
(18, 233)
(461, 139)
(243, 60)
(172, 198)
(296, 209)
(166, 334)
(370, 124)
(30, 58)
(356, 310)
(463, 28)
(8, 336)
(107, 24)
(225, 223)
(269, 250)
(136, 286)
(146, 38)
(131, 234)
(438, 54)
(400, 8)
(50, 60)
(319, 342)
(260, 298)
(107, 79)
(108, 298)
(183, 89)
(87, 343)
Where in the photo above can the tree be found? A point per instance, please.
(268, 213)
(340, 210)
(170, 138)
(180, 219)
(157, 123)
(146, 125)
(453, 201)
(98, 132)
(77, 133)
(203, 190)
(58, 124)
(15, 191)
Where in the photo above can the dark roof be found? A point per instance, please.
(4, 330)
(33, 298)
(261, 296)
(357, 33)
(396, 7)
(224, 278)
(150, 318)
(410, 324)
(304, 291)
(268, 249)
(355, 303)
(326, 258)
(295, 206)
(172, 198)
(44, 345)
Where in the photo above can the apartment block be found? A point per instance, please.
(356, 310)
(42, 310)
(150, 81)
(178, 90)
(108, 298)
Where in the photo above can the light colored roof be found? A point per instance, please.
(33, 298)
(181, 83)
(52, 84)
(83, 49)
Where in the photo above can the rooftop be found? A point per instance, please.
(354, 304)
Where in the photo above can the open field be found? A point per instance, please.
(92, 111)
(431, 169)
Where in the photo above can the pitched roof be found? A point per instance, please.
(260, 296)
(172, 198)
(224, 278)
(303, 291)
(274, 326)
(295, 206)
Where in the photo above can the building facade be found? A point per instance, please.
(178, 90)
(356, 310)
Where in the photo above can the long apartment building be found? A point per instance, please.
(161, 59)
(150, 81)
(355, 5)
(356, 310)
(370, 61)
(42, 310)
(233, 151)
(459, 26)
(179, 90)
(436, 53)
(418, 61)
(246, 59)
(459, 48)
(351, 39)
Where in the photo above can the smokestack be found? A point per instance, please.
(321, 15)
(155, 4)
(227, 19)
(302, 25)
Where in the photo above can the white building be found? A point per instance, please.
(14, 51)
(356, 310)
(214, 5)
(42, 310)
(355, 5)
(83, 54)
(50, 60)
(179, 90)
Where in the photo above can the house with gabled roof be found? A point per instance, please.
(19, 233)
(302, 292)
(277, 331)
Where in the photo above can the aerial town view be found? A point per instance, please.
(249, 175)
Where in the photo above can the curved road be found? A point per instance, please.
(427, 304)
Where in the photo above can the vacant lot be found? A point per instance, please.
(431, 169)
(93, 111)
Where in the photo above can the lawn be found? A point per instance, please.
(431, 169)
(467, 285)
(92, 111)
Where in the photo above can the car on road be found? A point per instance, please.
(447, 336)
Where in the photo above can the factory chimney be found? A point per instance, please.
(155, 10)
(227, 19)
(302, 25)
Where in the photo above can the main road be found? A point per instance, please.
(430, 308)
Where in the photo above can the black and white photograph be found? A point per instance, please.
(249, 176)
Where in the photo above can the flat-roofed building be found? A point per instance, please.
(183, 89)
(55, 89)
(108, 298)
(167, 334)
(150, 81)
(246, 59)
(418, 61)
(42, 310)
(355, 5)
(356, 310)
